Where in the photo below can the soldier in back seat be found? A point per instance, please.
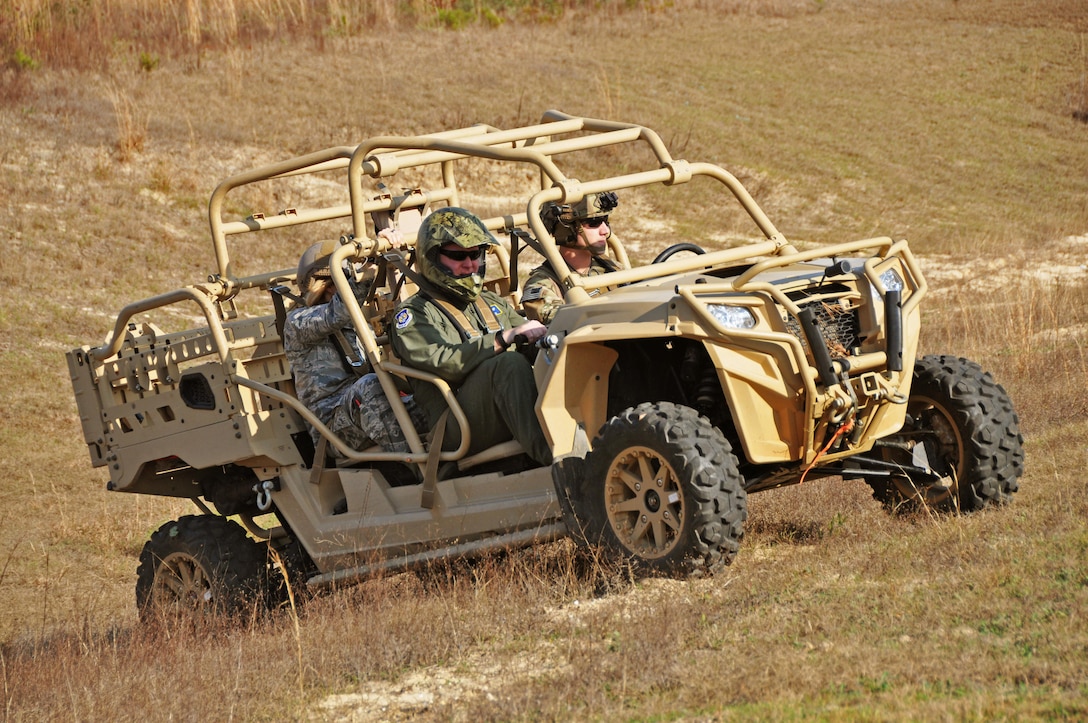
(332, 376)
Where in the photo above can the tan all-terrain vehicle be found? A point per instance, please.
(668, 390)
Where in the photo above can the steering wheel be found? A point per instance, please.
(678, 248)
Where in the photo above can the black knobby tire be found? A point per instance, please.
(200, 565)
(971, 434)
(294, 568)
(661, 490)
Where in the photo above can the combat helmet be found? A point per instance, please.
(313, 275)
(561, 220)
(452, 225)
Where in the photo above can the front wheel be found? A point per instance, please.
(661, 489)
(199, 566)
(964, 425)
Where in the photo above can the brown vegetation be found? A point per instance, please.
(950, 123)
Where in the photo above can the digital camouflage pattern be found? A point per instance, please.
(354, 407)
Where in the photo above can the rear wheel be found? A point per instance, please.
(199, 566)
(965, 424)
(661, 489)
(287, 579)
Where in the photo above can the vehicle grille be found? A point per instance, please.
(838, 323)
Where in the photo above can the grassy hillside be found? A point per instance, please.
(957, 125)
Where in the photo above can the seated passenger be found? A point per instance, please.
(455, 329)
(332, 376)
(581, 231)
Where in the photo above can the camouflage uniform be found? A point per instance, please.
(543, 294)
(496, 390)
(354, 407)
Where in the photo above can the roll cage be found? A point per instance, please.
(380, 160)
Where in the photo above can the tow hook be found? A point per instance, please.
(264, 494)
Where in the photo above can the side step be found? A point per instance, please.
(520, 538)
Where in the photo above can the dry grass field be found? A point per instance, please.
(957, 124)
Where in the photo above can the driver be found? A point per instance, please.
(455, 329)
(581, 231)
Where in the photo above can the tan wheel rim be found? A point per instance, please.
(181, 582)
(644, 502)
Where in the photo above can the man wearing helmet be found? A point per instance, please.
(455, 329)
(581, 231)
(332, 377)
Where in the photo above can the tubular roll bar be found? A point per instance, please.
(201, 295)
(747, 283)
(385, 156)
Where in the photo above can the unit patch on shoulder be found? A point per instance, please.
(403, 318)
(533, 293)
(496, 311)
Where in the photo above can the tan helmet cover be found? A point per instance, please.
(561, 220)
(313, 275)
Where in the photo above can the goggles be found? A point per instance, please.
(475, 254)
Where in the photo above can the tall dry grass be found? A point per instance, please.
(948, 123)
(832, 607)
(71, 33)
(1030, 332)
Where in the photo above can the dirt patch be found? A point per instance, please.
(486, 673)
(480, 675)
(1063, 260)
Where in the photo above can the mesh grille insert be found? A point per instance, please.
(838, 323)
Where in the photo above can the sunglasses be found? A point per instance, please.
(474, 254)
(595, 222)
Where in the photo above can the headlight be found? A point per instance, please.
(891, 280)
(733, 317)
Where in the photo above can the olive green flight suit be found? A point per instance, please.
(496, 389)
